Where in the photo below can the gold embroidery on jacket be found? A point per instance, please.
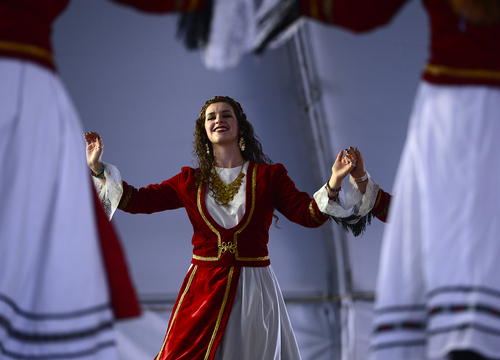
(232, 247)
(252, 208)
(229, 246)
(219, 243)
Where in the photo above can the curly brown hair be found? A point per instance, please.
(203, 150)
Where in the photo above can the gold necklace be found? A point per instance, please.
(224, 193)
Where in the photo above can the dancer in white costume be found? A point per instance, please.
(58, 298)
(438, 292)
(54, 297)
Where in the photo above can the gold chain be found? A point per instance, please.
(224, 193)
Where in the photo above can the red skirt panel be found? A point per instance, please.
(123, 297)
(200, 313)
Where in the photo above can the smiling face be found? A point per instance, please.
(221, 124)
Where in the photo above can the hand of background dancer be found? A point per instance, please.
(359, 172)
(94, 151)
(344, 164)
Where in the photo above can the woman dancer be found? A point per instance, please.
(58, 298)
(230, 301)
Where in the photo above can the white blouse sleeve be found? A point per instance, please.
(111, 193)
(349, 204)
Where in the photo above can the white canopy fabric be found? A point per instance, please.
(323, 90)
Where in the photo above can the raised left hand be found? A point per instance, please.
(344, 164)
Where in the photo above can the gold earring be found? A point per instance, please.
(208, 149)
(242, 144)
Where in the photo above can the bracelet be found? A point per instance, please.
(334, 191)
(101, 173)
(362, 178)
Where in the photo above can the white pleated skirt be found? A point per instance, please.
(439, 280)
(259, 326)
(54, 301)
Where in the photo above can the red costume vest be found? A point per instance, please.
(205, 300)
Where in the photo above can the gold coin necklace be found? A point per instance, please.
(225, 193)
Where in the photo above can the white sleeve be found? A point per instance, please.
(111, 193)
(348, 203)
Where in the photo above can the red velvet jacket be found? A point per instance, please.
(268, 188)
(460, 53)
(26, 25)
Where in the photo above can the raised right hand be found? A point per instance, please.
(95, 149)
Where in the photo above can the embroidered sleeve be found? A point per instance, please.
(315, 217)
(381, 207)
(111, 193)
(126, 199)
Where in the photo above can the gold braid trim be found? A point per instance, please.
(26, 49)
(313, 213)
(126, 200)
(221, 312)
(229, 246)
(438, 70)
(382, 213)
(174, 316)
(379, 197)
(254, 186)
(219, 243)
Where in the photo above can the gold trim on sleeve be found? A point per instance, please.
(125, 201)
(313, 213)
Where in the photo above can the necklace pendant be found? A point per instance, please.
(223, 193)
